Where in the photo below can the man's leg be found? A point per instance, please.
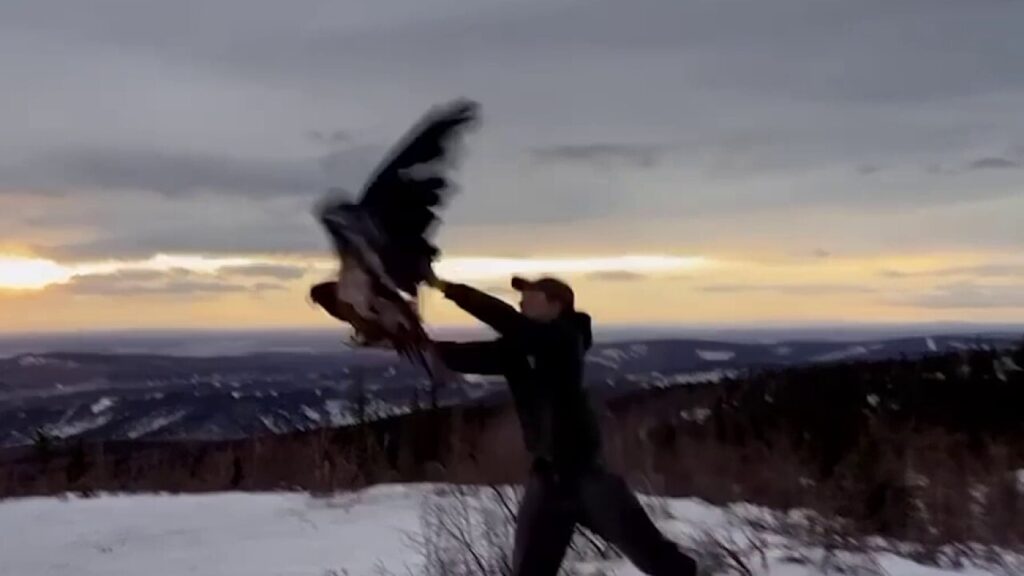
(612, 511)
(544, 528)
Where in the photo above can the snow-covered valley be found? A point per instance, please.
(288, 534)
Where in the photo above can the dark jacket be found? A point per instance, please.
(543, 364)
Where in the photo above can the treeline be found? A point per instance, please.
(924, 449)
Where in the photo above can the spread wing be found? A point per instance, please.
(337, 215)
(406, 190)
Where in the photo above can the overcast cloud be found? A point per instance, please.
(971, 296)
(212, 125)
(153, 283)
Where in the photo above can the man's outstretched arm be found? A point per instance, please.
(497, 314)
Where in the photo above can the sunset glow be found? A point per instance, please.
(20, 273)
(164, 263)
(30, 273)
(625, 288)
(35, 274)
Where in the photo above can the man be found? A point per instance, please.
(540, 352)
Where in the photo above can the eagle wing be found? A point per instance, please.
(384, 235)
(407, 189)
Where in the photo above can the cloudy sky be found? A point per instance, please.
(682, 161)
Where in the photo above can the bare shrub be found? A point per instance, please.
(831, 544)
(826, 545)
(470, 531)
(730, 552)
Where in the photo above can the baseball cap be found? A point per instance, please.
(553, 288)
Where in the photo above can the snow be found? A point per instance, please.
(33, 360)
(310, 413)
(154, 423)
(603, 361)
(271, 425)
(638, 350)
(614, 357)
(715, 355)
(615, 353)
(212, 535)
(336, 413)
(1009, 365)
(102, 404)
(844, 354)
(65, 429)
(278, 534)
(700, 377)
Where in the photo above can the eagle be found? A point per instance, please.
(383, 239)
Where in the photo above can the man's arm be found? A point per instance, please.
(497, 314)
(472, 357)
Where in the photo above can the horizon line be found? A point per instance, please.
(724, 326)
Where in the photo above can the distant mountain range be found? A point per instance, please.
(93, 395)
(239, 342)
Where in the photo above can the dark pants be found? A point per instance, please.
(603, 503)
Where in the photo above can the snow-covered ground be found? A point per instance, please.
(715, 355)
(269, 534)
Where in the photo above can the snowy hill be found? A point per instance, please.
(289, 534)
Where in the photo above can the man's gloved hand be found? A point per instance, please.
(433, 281)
